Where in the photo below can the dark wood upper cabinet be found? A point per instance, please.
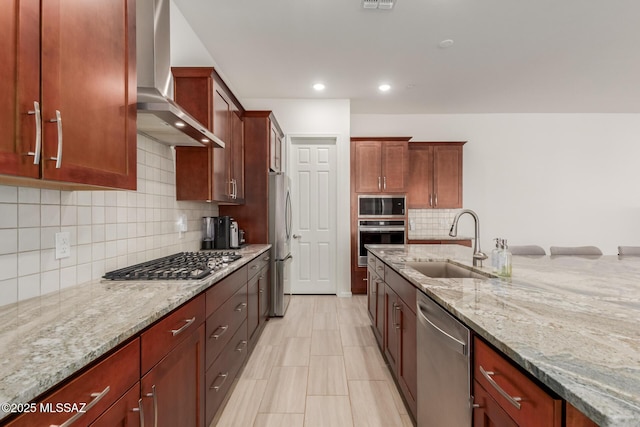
(74, 78)
(218, 173)
(435, 169)
(380, 165)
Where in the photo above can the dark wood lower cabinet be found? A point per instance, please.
(124, 413)
(173, 390)
(488, 413)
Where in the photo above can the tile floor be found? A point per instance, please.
(317, 366)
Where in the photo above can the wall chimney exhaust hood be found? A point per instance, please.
(158, 116)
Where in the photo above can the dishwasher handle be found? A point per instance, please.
(453, 342)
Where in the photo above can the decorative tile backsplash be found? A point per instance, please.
(108, 229)
(430, 223)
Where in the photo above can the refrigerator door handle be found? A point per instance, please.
(288, 215)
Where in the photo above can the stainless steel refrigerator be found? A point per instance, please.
(280, 223)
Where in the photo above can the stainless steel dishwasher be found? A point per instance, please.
(444, 371)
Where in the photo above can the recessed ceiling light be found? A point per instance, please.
(446, 43)
(180, 124)
(318, 87)
(384, 87)
(205, 140)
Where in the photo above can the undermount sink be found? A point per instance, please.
(444, 269)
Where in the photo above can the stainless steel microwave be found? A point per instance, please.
(381, 206)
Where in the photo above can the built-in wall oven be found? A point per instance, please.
(378, 232)
(381, 221)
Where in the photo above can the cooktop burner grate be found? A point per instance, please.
(180, 266)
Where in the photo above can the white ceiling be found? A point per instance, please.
(508, 56)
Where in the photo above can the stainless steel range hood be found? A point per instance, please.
(158, 116)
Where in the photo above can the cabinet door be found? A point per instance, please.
(252, 306)
(20, 86)
(408, 368)
(447, 176)
(371, 295)
(380, 319)
(263, 291)
(89, 81)
(275, 149)
(368, 161)
(173, 390)
(488, 413)
(391, 328)
(237, 156)
(394, 166)
(194, 173)
(122, 412)
(420, 184)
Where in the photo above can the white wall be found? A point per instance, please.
(321, 117)
(547, 179)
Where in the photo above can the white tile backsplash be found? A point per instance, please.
(108, 229)
(425, 223)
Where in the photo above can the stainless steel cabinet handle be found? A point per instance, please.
(215, 335)
(380, 268)
(217, 387)
(58, 157)
(37, 152)
(515, 401)
(398, 308)
(187, 323)
(379, 186)
(140, 409)
(430, 199)
(436, 199)
(254, 267)
(385, 183)
(261, 290)
(241, 346)
(266, 258)
(155, 404)
(96, 398)
(241, 306)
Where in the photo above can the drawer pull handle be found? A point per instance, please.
(217, 387)
(261, 291)
(254, 267)
(241, 346)
(96, 398)
(187, 323)
(140, 409)
(266, 258)
(515, 401)
(215, 335)
(241, 306)
(380, 268)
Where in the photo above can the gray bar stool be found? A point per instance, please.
(527, 250)
(575, 250)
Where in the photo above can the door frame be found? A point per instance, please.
(321, 139)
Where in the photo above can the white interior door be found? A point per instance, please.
(313, 192)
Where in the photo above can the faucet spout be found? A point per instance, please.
(478, 255)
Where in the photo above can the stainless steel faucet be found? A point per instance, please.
(478, 255)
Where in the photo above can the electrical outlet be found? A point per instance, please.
(63, 245)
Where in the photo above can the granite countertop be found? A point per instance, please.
(414, 235)
(572, 322)
(46, 339)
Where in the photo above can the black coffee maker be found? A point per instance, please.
(222, 232)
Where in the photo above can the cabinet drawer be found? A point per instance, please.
(220, 376)
(121, 413)
(380, 269)
(220, 292)
(170, 331)
(258, 263)
(223, 324)
(405, 290)
(93, 391)
(488, 412)
(371, 260)
(530, 406)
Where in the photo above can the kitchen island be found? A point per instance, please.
(573, 323)
(45, 340)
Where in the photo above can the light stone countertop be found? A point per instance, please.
(572, 322)
(46, 339)
(421, 235)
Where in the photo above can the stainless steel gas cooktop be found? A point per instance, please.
(180, 266)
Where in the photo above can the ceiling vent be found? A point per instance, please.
(377, 4)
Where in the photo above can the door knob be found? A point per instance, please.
(296, 236)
